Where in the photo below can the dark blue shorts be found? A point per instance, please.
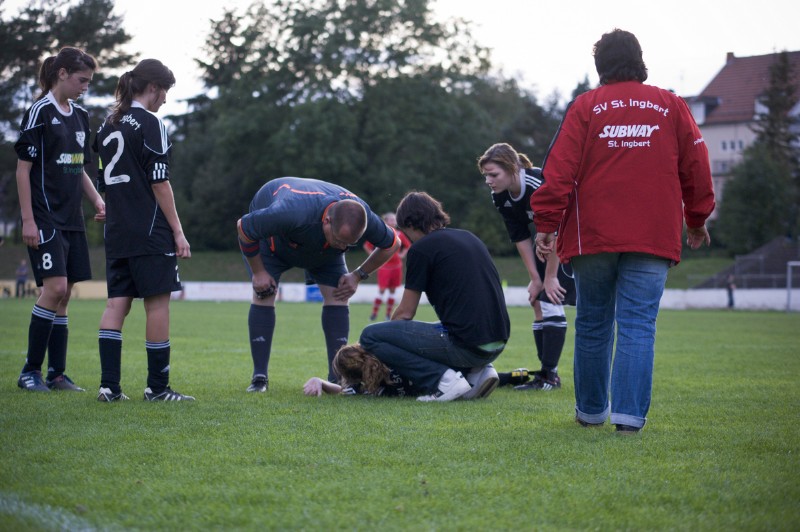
(323, 270)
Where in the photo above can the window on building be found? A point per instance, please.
(724, 146)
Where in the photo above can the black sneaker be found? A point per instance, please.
(105, 395)
(62, 382)
(627, 429)
(544, 381)
(32, 381)
(167, 395)
(259, 384)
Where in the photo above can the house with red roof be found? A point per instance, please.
(726, 110)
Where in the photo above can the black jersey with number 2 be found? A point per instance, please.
(134, 155)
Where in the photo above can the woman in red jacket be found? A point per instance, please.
(627, 166)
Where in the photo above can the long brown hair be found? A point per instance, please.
(356, 366)
(70, 59)
(135, 82)
(506, 157)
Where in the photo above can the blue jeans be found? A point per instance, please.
(623, 289)
(419, 351)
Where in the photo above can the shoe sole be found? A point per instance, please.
(33, 388)
(484, 390)
(451, 395)
(65, 388)
(532, 388)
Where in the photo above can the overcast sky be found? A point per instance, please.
(546, 45)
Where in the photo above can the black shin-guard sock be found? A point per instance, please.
(336, 327)
(110, 342)
(38, 337)
(57, 348)
(537, 337)
(157, 366)
(553, 336)
(261, 325)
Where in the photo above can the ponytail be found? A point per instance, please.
(70, 59)
(135, 82)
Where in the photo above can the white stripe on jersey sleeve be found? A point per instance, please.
(33, 116)
(535, 182)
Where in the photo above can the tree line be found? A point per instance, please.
(375, 95)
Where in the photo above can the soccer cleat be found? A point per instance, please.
(373, 316)
(583, 423)
(62, 382)
(105, 395)
(32, 381)
(542, 381)
(483, 380)
(451, 386)
(260, 383)
(167, 395)
(627, 429)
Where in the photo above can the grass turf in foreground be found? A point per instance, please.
(720, 450)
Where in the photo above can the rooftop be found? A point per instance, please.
(731, 94)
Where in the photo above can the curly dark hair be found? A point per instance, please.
(420, 211)
(618, 57)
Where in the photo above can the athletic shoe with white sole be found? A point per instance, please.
(543, 380)
(452, 385)
(62, 382)
(167, 395)
(483, 380)
(32, 381)
(260, 383)
(105, 395)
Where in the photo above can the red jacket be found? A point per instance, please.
(626, 167)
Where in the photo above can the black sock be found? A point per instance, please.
(38, 337)
(110, 359)
(537, 337)
(336, 327)
(554, 333)
(261, 325)
(157, 365)
(57, 348)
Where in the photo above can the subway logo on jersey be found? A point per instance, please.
(70, 158)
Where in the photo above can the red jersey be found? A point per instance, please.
(396, 261)
(626, 167)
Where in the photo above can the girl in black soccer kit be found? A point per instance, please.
(52, 149)
(361, 373)
(143, 234)
(513, 180)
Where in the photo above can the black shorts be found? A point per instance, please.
(565, 278)
(61, 254)
(142, 276)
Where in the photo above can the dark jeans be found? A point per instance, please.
(420, 351)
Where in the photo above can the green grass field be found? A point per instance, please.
(721, 450)
(228, 266)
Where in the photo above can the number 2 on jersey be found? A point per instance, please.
(108, 176)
